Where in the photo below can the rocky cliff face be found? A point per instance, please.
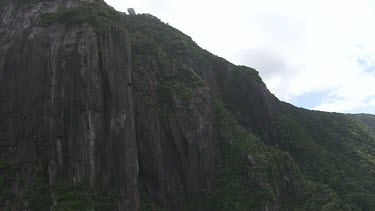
(175, 136)
(245, 94)
(67, 103)
(79, 112)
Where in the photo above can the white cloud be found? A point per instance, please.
(372, 102)
(356, 94)
(299, 47)
(340, 105)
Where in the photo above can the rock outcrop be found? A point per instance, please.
(131, 11)
(242, 89)
(67, 102)
(175, 137)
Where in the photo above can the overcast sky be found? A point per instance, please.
(315, 54)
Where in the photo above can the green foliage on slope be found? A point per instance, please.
(249, 174)
(179, 84)
(247, 73)
(158, 50)
(150, 36)
(70, 196)
(148, 33)
(7, 176)
(40, 196)
(18, 3)
(336, 156)
(66, 195)
(95, 14)
(147, 203)
(367, 120)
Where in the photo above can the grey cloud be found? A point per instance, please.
(267, 63)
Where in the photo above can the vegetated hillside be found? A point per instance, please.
(86, 124)
(366, 119)
(336, 155)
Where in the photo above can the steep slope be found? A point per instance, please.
(336, 156)
(66, 111)
(106, 111)
(366, 119)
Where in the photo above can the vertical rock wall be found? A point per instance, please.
(176, 147)
(66, 103)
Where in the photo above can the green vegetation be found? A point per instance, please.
(241, 185)
(40, 196)
(96, 14)
(68, 196)
(149, 36)
(7, 176)
(165, 46)
(18, 3)
(367, 120)
(4, 164)
(146, 202)
(180, 64)
(180, 84)
(336, 156)
(247, 73)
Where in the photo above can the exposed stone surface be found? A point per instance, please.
(131, 11)
(247, 96)
(176, 151)
(66, 102)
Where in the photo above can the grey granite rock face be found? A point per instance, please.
(246, 95)
(176, 151)
(66, 100)
(131, 11)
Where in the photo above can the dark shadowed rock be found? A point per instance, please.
(243, 91)
(176, 148)
(66, 103)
